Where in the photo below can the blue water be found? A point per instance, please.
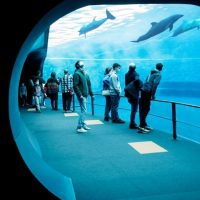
(110, 43)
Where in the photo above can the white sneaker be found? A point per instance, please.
(148, 128)
(86, 127)
(144, 130)
(81, 130)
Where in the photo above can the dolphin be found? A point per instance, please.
(95, 23)
(186, 26)
(159, 27)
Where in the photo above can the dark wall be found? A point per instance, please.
(17, 20)
(33, 64)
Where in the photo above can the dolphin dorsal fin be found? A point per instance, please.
(94, 18)
(170, 27)
(153, 23)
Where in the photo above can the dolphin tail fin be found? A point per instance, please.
(109, 15)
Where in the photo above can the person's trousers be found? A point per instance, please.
(107, 106)
(83, 111)
(114, 106)
(54, 101)
(66, 100)
(144, 107)
(37, 102)
(134, 108)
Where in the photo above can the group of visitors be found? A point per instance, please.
(138, 93)
(41, 89)
(33, 93)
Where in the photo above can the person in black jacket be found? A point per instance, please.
(148, 92)
(132, 76)
(52, 90)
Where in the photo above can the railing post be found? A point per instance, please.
(174, 120)
(92, 104)
(73, 100)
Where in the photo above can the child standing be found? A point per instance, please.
(37, 95)
(23, 94)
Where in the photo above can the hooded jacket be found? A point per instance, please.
(152, 81)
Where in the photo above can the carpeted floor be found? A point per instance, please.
(104, 165)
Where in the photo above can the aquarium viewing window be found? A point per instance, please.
(143, 33)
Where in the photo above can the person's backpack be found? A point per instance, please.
(106, 82)
(52, 87)
(133, 88)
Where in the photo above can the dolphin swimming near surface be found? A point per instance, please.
(159, 27)
(95, 23)
(186, 26)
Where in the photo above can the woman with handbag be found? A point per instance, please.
(106, 92)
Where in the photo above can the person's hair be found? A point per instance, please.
(65, 71)
(53, 74)
(38, 73)
(115, 65)
(107, 70)
(159, 66)
(37, 80)
(78, 65)
(132, 66)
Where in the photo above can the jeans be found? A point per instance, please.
(38, 100)
(107, 107)
(114, 106)
(83, 111)
(134, 108)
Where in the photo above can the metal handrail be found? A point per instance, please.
(173, 106)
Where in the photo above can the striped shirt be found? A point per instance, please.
(67, 83)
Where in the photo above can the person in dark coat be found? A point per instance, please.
(52, 90)
(132, 92)
(148, 92)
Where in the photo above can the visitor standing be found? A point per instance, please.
(82, 88)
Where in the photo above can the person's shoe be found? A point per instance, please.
(118, 121)
(86, 127)
(106, 119)
(133, 126)
(148, 127)
(81, 130)
(143, 130)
